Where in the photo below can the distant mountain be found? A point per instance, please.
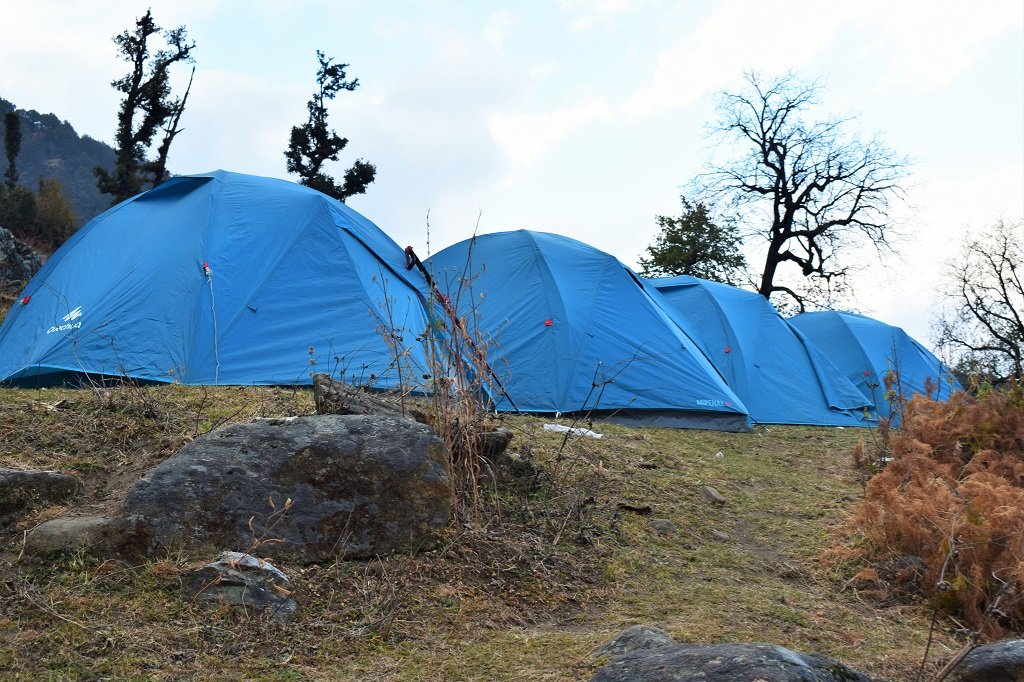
(51, 148)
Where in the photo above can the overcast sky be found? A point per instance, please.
(582, 117)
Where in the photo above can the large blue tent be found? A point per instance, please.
(777, 373)
(575, 331)
(219, 278)
(866, 350)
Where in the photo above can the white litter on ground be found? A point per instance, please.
(573, 430)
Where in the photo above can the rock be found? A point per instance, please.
(725, 663)
(18, 262)
(101, 535)
(996, 662)
(719, 535)
(243, 580)
(358, 486)
(633, 638)
(662, 526)
(709, 494)
(23, 489)
(494, 443)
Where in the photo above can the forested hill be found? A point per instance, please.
(51, 148)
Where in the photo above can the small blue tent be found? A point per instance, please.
(777, 373)
(866, 350)
(218, 278)
(577, 332)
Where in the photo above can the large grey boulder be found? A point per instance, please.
(358, 486)
(18, 262)
(725, 663)
(997, 662)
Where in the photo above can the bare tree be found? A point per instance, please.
(985, 287)
(803, 186)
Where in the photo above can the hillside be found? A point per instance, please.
(51, 148)
(553, 569)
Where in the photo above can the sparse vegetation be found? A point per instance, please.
(556, 564)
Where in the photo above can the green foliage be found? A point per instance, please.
(44, 219)
(693, 244)
(313, 144)
(147, 107)
(18, 211)
(55, 219)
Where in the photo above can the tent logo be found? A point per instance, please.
(72, 321)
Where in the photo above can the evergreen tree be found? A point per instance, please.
(55, 219)
(147, 107)
(12, 146)
(694, 245)
(313, 144)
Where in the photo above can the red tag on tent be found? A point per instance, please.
(25, 300)
(728, 349)
(548, 323)
(867, 373)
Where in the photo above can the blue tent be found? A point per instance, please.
(780, 376)
(866, 350)
(576, 331)
(218, 278)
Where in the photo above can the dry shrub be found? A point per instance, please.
(952, 495)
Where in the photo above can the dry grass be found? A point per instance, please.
(548, 573)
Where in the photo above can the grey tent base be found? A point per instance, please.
(672, 419)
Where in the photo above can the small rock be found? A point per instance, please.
(98, 534)
(633, 638)
(641, 509)
(23, 489)
(996, 662)
(243, 580)
(725, 663)
(719, 535)
(494, 443)
(709, 494)
(662, 526)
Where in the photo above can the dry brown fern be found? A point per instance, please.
(952, 495)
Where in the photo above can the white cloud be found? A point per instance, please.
(238, 123)
(951, 207)
(931, 43)
(737, 35)
(497, 28)
(591, 13)
(527, 137)
(921, 42)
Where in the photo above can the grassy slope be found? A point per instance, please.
(527, 593)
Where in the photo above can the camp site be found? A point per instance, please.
(513, 343)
